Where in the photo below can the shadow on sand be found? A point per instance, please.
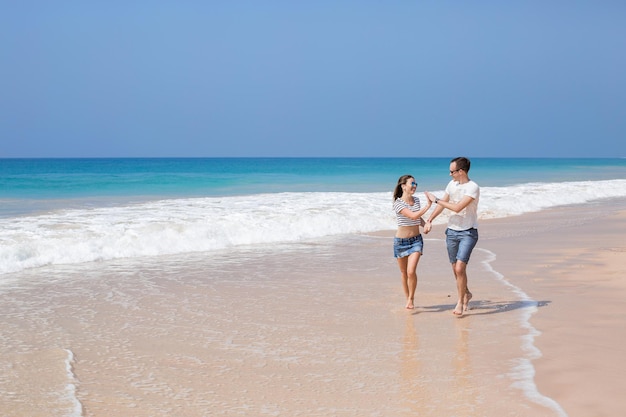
(482, 307)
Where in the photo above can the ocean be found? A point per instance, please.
(69, 211)
(254, 286)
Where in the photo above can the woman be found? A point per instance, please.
(408, 243)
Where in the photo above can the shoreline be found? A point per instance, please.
(572, 259)
(319, 328)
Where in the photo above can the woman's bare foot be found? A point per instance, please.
(458, 310)
(409, 304)
(466, 300)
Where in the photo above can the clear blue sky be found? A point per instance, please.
(324, 78)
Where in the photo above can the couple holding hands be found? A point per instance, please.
(461, 198)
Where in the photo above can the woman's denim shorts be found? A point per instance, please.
(404, 247)
(460, 244)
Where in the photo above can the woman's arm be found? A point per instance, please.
(414, 215)
(437, 211)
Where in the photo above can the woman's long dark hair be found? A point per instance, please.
(397, 192)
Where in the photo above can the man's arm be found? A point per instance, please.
(455, 207)
(436, 212)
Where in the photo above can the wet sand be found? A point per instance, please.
(574, 260)
(320, 329)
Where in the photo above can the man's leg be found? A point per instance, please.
(467, 242)
(463, 293)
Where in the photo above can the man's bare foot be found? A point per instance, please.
(466, 299)
(409, 304)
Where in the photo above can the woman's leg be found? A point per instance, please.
(408, 271)
(402, 264)
(414, 259)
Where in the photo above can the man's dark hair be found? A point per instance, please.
(462, 163)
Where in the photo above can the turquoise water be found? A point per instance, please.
(190, 177)
(69, 211)
(76, 226)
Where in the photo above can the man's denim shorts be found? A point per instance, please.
(460, 244)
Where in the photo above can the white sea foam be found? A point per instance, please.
(70, 388)
(206, 224)
(523, 373)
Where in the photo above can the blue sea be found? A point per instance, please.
(68, 211)
(257, 286)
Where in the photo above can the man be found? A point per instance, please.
(461, 197)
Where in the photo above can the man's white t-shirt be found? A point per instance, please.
(468, 217)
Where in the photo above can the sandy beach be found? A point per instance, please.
(573, 260)
(198, 205)
(320, 329)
